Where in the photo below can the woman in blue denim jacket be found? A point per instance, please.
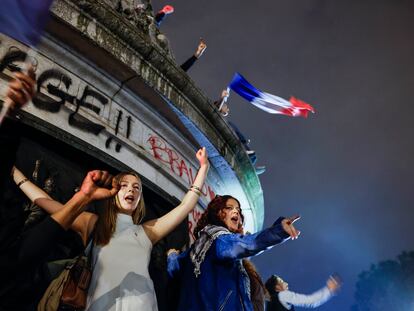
(211, 272)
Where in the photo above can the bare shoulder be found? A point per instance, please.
(84, 224)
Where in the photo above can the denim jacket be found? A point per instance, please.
(222, 283)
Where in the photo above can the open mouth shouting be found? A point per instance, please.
(129, 193)
(231, 215)
(129, 198)
(235, 220)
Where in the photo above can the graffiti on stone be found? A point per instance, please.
(119, 119)
(58, 88)
(53, 92)
(177, 165)
(194, 216)
(45, 102)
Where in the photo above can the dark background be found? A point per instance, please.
(45, 159)
(346, 169)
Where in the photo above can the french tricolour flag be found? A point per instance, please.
(270, 103)
(24, 20)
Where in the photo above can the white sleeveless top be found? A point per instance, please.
(120, 279)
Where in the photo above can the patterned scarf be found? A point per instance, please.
(203, 244)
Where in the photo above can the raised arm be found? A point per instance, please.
(92, 189)
(190, 62)
(288, 298)
(71, 214)
(236, 246)
(35, 194)
(36, 243)
(157, 229)
(21, 90)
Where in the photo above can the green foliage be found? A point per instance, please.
(388, 285)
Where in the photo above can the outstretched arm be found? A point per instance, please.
(236, 246)
(158, 228)
(34, 193)
(288, 298)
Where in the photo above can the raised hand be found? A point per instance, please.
(202, 46)
(21, 89)
(202, 156)
(334, 283)
(287, 225)
(96, 185)
(167, 9)
(225, 94)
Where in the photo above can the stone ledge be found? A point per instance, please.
(140, 53)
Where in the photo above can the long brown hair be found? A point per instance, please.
(257, 288)
(211, 216)
(106, 223)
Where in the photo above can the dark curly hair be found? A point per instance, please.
(271, 284)
(211, 216)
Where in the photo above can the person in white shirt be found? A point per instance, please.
(281, 298)
(122, 242)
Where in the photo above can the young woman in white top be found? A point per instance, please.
(122, 246)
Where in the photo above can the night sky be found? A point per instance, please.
(347, 169)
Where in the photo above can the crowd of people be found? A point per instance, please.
(214, 273)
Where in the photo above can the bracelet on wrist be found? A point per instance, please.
(195, 191)
(22, 182)
(195, 187)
